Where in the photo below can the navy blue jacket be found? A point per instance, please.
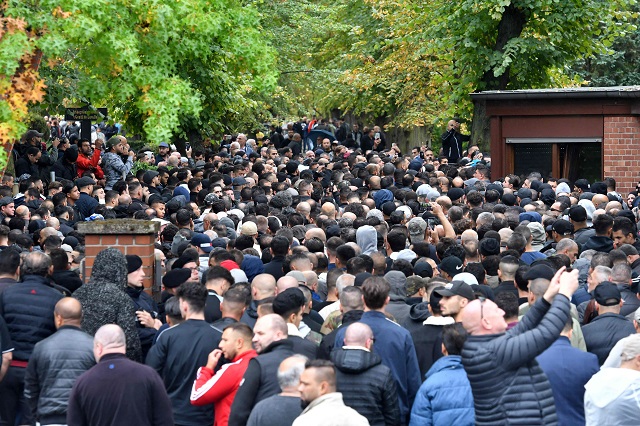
(86, 204)
(604, 331)
(395, 347)
(559, 363)
(27, 308)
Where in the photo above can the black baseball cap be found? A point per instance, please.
(456, 288)
(607, 294)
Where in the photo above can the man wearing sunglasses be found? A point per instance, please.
(508, 385)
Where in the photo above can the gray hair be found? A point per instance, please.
(621, 273)
(291, 377)
(602, 273)
(566, 244)
(631, 348)
(36, 263)
(344, 281)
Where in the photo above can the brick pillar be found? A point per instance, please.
(621, 151)
(130, 236)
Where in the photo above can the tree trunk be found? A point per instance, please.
(511, 26)
(480, 126)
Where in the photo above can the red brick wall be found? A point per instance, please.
(130, 237)
(621, 151)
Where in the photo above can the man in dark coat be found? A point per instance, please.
(56, 363)
(27, 308)
(567, 382)
(508, 385)
(366, 385)
(118, 390)
(260, 379)
(452, 141)
(604, 331)
(147, 312)
(179, 352)
(279, 249)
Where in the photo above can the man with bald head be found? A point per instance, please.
(283, 408)
(508, 385)
(329, 209)
(263, 286)
(56, 363)
(118, 390)
(365, 383)
(260, 380)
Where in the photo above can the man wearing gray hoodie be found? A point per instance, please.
(367, 239)
(397, 304)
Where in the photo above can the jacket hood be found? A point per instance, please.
(599, 243)
(609, 384)
(382, 196)
(398, 281)
(354, 360)
(110, 267)
(419, 312)
(252, 266)
(367, 239)
(449, 362)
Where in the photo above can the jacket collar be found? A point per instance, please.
(333, 398)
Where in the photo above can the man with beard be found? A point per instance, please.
(88, 159)
(323, 404)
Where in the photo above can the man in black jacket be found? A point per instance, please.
(452, 141)
(118, 391)
(605, 330)
(179, 351)
(508, 385)
(366, 384)
(56, 363)
(27, 309)
(147, 312)
(290, 304)
(260, 379)
(279, 249)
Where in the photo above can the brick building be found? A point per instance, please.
(572, 133)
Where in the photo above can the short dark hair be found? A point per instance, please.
(508, 302)
(453, 338)
(602, 223)
(194, 293)
(397, 241)
(218, 272)
(625, 225)
(344, 253)
(9, 261)
(241, 328)
(279, 245)
(172, 309)
(325, 371)
(375, 291)
(59, 259)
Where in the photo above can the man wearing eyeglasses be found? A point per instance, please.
(508, 385)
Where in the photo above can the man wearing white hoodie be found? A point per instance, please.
(611, 394)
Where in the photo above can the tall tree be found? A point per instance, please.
(164, 68)
(419, 61)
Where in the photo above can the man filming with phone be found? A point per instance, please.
(452, 141)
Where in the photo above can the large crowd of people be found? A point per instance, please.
(314, 275)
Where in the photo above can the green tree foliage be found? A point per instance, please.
(620, 66)
(165, 68)
(417, 62)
